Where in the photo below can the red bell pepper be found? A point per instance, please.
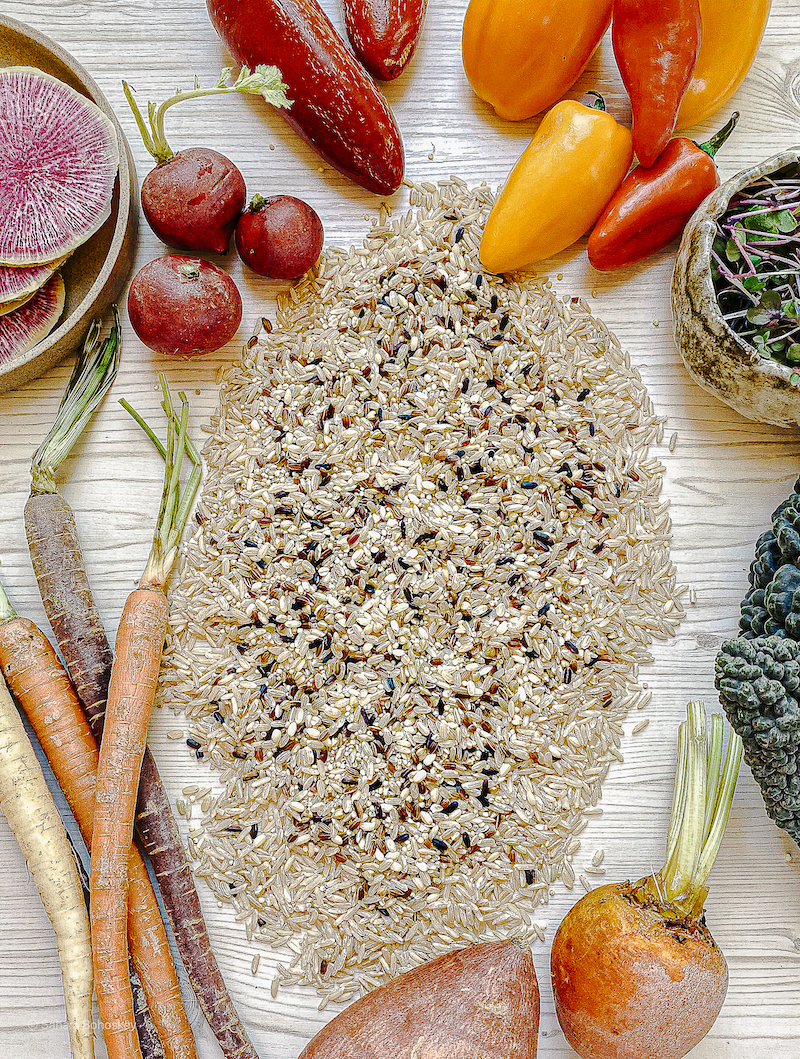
(656, 44)
(651, 206)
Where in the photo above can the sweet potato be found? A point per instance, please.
(480, 1002)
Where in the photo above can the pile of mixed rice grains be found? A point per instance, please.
(429, 560)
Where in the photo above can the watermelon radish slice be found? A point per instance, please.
(18, 285)
(58, 161)
(21, 329)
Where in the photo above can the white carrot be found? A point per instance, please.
(30, 811)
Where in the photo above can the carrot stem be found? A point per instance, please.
(175, 503)
(94, 372)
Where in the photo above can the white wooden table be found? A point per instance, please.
(723, 479)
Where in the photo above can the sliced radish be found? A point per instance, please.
(23, 328)
(18, 285)
(59, 156)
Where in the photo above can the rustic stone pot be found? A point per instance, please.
(96, 272)
(717, 358)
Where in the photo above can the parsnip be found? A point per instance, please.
(30, 811)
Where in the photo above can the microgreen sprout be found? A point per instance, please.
(755, 265)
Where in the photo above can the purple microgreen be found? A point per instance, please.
(755, 262)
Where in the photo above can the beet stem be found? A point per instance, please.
(713, 765)
(701, 805)
(722, 807)
(679, 796)
(266, 81)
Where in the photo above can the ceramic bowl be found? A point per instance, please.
(96, 272)
(718, 359)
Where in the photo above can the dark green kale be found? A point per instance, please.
(759, 687)
(774, 576)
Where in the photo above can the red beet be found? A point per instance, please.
(279, 237)
(184, 306)
(194, 200)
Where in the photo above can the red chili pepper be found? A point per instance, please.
(656, 44)
(651, 206)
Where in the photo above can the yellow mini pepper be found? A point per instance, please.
(732, 32)
(558, 188)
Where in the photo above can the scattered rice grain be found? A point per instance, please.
(418, 595)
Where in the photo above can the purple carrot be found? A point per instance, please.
(72, 613)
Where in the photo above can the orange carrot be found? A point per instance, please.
(43, 689)
(78, 629)
(134, 677)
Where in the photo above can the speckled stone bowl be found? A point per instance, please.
(718, 359)
(96, 272)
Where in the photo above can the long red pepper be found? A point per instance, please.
(651, 206)
(656, 44)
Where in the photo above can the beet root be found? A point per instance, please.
(632, 982)
(475, 1003)
(279, 237)
(184, 306)
(193, 201)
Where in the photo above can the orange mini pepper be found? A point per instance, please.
(558, 188)
(732, 32)
(521, 56)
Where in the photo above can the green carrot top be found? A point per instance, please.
(176, 502)
(92, 376)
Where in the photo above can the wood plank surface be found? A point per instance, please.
(723, 479)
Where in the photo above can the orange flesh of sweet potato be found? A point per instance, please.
(480, 1002)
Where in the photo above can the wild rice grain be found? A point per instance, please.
(418, 595)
